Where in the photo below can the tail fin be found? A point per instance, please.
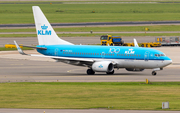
(45, 33)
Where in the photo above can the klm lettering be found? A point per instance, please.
(44, 32)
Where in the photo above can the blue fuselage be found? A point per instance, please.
(103, 52)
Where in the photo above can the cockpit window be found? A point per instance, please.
(158, 55)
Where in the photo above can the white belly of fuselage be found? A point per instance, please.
(143, 64)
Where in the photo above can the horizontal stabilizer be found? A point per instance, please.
(35, 47)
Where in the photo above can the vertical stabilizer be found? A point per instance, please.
(45, 33)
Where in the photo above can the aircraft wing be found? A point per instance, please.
(81, 61)
(53, 57)
(64, 58)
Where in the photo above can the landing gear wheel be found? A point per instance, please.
(110, 73)
(90, 72)
(154, 73)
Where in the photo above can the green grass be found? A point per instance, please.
(10, 49)
(134, 95)
(65, 13)
(104, 29)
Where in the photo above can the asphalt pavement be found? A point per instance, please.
(79, 111)
(95, 24)
(21, 68)
(74, 40)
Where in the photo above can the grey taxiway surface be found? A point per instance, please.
(75, 40)
(79, 111)
(16, 70)
(19, 68)
(95, 24)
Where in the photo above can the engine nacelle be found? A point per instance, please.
(134, 69)
(103, 66)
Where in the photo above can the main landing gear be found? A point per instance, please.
(154, 73)
(90, 72)
(110, 73)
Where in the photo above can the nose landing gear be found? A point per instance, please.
(156, 69)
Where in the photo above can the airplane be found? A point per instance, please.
(95, 58)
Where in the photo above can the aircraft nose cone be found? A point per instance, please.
(169, 62)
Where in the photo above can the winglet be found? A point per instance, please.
(135, 43)
(19, 49)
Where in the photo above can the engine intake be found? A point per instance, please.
(104, 66)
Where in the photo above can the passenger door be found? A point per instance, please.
(146, 56)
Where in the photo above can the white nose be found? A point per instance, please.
(167, 62)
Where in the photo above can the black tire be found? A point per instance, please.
(154, 73)
(90, 72)
(110, 73)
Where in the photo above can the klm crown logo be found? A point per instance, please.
(44, 31)
(44, 27)
(100, 66)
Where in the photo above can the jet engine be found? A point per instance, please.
(103, 66)
(134, 69)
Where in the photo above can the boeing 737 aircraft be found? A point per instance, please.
(95, 58)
